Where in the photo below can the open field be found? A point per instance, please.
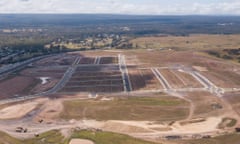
(108, 138)
(197, 41)
(225, 139)
(45, 138)
(148, 108)
(55, 137)
(206, 104)
(234, 100)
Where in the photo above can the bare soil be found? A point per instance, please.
(143, 79)
(80, 141)
(16, 86)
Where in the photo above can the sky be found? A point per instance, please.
(138, 7)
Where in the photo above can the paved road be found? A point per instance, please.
(207, 83)
(20, 65)
(161, 79)
(97, 60)
(209, 86)
(67, 75)
(123, 69)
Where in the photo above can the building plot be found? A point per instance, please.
(56, 72)
(95, 79)
(178, 79)
(109, 60)
(171, 78)
(143, 79)
(58, 60)
(87, 60)
(188, 80)
(223, 79)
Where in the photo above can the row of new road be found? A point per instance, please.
(208, 85)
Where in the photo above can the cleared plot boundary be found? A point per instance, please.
(95, 78)
(143, 79)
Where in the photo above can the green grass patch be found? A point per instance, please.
(55, 137)
(228, 122)
(51, 137)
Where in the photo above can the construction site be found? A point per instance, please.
(159, 96)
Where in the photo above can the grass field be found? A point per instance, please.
(198, 41)
(55, 137)
(145, 108)
(226, 139)
(108, 138)
(52, 137)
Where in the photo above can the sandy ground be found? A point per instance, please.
(209, 125)
(80, 141)
(18, 110)
(50, 110)
(201, 69)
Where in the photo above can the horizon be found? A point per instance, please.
(125, 7)
(120, 14)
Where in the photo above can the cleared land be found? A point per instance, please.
(142, 108)
(15, 86)
(234, 100)
(109, 60)
(143, 113)
(58, 60)
(80, 141)
(224, 78)
(87, 60)
(17, 111)
(95, 79)
(206, 104)
(171, 78)
(187, 80)
(143, 79)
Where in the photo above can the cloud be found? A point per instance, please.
(157, 7)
